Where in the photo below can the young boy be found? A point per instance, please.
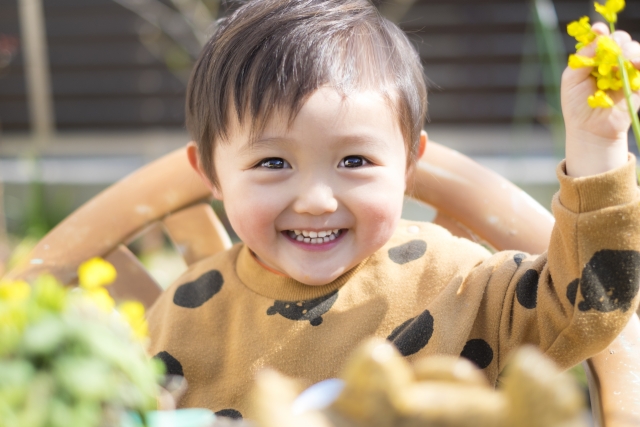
(307, 117)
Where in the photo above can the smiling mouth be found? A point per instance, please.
(314, 237)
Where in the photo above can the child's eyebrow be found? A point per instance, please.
(355, 140)
(359, 140)
(265, 142)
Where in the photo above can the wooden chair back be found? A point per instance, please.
(471, 202)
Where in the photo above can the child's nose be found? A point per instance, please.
(316, 199)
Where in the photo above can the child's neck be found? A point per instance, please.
(265, 266)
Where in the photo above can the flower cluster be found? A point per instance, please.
(96, 273)
(16, 308)
(605, 63)
(610, 9)
(582, 32)
(70, 356)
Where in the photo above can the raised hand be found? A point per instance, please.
(596, 137)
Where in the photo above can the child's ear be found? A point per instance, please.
(424, 138)
(422, 145)
(194, 160)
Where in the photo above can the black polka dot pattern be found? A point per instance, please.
(479, 352)
(572, 291)
(171, 363)
(311, 310)
(408, 252)
(194, 294)
(517, 258)
(229, 413)
(527, 289)
(610, 280)
(412, 335)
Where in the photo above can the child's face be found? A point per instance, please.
(341, 166)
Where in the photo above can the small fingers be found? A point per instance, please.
(588, 50)
(621, 37)
(631, 50)
(600, 28)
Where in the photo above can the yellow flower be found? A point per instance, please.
(581, 31)
(96, 272)
(133, 313)
(600, 99)
(18, 290)
(578, 61)
(101, 298)
(609, 82)
(610, 9)
(607, 51)
(634, 75)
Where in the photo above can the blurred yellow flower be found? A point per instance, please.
(101, 298)
(96, 272)
(582, 32)
(578, 61)
(607, 51)
(610, 9)
(600, 99)
(634, 75)
(609, 82)
(18, 290)
(133, 313)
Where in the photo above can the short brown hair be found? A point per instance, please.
(273, 54)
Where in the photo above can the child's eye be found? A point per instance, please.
(274, 163)
(353, 162)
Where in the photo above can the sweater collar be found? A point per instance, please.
(280, 287)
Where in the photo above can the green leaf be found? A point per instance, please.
(45, 337)
(88, 379)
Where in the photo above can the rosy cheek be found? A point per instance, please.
(379, 216)
(252, 216)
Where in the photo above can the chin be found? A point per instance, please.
(314, 280)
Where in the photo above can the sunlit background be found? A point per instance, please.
(91, 90)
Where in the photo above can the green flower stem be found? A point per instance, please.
(143, 418)
(635, 123)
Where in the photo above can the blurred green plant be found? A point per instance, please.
(67, 358)
(542, 35)
(37, 222)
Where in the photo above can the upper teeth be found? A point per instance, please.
(314, 237)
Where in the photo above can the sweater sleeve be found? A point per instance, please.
(574, 300)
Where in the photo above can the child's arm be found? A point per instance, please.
(596, 139)
(574, 300)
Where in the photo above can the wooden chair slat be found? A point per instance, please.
(499, 212)
(454, 227)
(196, 232)
(614, 403)
(133, 281)
(114, 216)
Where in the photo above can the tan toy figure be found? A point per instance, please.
(383, 390)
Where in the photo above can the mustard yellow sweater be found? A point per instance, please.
(428, 292)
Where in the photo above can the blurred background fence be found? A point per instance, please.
(90, 90)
